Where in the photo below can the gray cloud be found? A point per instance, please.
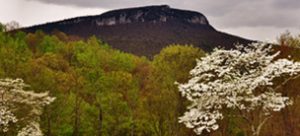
(223, 13)
(259, 13)
(102, 3)
(290, 4)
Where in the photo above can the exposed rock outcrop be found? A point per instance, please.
(152, 14)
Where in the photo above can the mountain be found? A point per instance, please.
(145, 30)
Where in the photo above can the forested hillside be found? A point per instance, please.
(106, 92)
(144, 31)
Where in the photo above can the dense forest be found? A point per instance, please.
(103, 91)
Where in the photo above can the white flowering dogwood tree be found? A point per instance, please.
(20, 109)
(240, 79)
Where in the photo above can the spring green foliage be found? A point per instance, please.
(102, 91)
(98, 90)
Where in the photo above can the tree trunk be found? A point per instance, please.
(48, 121)
(180, 110)
(100, 118)
(77, 116)
(288, 128)
(256, 130)
(161, 126)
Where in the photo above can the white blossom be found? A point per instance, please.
(15, 99)
(6, 117)
(32, 129)
(240, 78)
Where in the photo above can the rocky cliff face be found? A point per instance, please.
(149, 14)
(145, 30)
(152, 14)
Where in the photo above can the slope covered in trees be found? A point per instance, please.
(144, 31)
(103, 91)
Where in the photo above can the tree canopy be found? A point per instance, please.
(241, 79)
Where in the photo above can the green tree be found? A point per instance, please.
(164, 103)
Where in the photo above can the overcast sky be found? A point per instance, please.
(253, 19)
